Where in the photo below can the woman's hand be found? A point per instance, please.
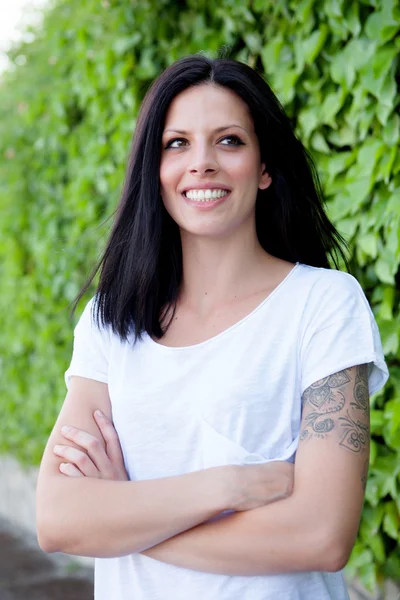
(257, 485)
(91, 459)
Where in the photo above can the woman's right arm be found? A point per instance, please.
(95, 517)
(105, 518)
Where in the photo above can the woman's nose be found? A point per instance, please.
(202, 160)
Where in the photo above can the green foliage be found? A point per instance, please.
(67, 113)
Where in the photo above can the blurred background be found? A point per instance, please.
(72, 77)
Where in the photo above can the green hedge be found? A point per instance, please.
(67, 113)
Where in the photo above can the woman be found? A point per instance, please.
(221, 347)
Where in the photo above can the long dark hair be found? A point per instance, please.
(141, 267)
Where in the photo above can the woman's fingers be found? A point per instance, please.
(97, 461)
(79, 459)
(70, 470)
(113, 447)
(94, 450)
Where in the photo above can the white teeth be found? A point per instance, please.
(205, 195)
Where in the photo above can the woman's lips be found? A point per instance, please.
(211, 203)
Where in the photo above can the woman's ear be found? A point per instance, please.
(265, 178)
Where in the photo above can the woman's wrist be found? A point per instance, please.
(249, 486)
(224, 481)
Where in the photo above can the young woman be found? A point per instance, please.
(221, 349)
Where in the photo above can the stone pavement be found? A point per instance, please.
(27, 573)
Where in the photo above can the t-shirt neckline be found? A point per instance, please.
(229, 329)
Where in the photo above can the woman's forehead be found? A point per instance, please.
(207, 107)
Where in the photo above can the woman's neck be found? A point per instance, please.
(216, 272)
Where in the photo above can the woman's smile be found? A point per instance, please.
(201, 202)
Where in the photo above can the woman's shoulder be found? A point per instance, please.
(334, 293)
(91, 325)
(90, 322)
(323, 279)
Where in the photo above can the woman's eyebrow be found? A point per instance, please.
(215, 130)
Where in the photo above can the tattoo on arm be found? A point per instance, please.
(329, 407)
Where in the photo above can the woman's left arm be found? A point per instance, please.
(316, 527)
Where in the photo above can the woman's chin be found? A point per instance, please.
(206, 231)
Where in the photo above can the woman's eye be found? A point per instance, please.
(237, 140)
(169, 144)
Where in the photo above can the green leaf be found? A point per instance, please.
(385, 167)
(344, 136)
(377, 547)
(392, 414)
(388, 466)
(392, 232)
(391, 132)
(253, 41)
(351, 18)
(393, 204)
(365, 122)
(390, 336)
(377, 421)
(314, 44)
(359, 52)
(334, 8)
(391, 520)
(360, 103)
(386, 96)
(360, 556)
(308, 120)
(271, 52)
(381, 26)
(340, 207)
(318, 143)
(375, 72)
(368, 243)
(304, 10)
(384, 272)
(359, 189)
(368, 576)
(371, 520)
(347, 227)
(123, 44)
(330, 107)
(342, 71)
(372, 492)
(392, 566)
(337, 163)
(387, 302)
(288, 89)
(382, 61)
(367, 157)
(373, 452)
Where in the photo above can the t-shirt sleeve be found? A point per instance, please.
(90, 349)
(341, 333)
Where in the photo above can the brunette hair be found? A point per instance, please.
(141, 267)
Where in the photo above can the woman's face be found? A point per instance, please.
(209, 143)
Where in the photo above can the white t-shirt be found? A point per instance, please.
(232, 399)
